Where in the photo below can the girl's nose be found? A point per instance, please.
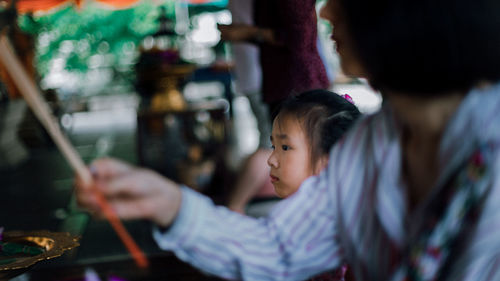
(272, 161)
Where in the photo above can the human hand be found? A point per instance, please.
(237, 32)
(132, 192)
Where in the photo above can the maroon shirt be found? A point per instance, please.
(296, 66)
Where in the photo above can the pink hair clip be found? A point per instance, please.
(348, 98)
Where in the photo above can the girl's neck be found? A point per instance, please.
(423, 121)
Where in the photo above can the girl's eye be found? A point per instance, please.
(285, 147)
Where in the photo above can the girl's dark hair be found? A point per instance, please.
(426, 46)
(323, 115)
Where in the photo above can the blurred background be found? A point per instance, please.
(146, 81)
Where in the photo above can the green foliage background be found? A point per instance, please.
(89, 31)
(77, 35)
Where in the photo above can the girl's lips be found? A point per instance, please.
(273, 178)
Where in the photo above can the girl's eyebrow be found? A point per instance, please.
(281, 137)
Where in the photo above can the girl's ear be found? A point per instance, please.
(321, 164)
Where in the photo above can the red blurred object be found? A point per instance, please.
(118, 4)
(27, 6)
(25, 49)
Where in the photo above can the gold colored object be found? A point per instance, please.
(168, 97)
(54, 245)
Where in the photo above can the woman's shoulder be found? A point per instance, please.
(369, 128)
(354, 157)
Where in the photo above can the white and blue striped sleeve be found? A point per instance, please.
(296, 241)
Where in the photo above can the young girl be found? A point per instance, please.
(304, 129)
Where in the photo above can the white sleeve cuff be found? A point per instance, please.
(188, 223)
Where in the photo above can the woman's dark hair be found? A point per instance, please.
(323, 115)
(426, 46)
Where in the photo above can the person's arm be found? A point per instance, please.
(251, 179)
(248, 33)
(296, 241)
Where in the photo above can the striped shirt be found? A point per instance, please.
(354, 212)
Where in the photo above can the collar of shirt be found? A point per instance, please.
(474, 123)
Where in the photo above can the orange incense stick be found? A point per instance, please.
(109, 213)
(41, 109)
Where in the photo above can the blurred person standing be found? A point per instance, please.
(286, 34)
(248, 70)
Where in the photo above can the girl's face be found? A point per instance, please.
(349, 60)
(290, 160)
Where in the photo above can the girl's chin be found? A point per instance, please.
(280, 192)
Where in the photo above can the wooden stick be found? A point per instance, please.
(40, 107)
(42, 111)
